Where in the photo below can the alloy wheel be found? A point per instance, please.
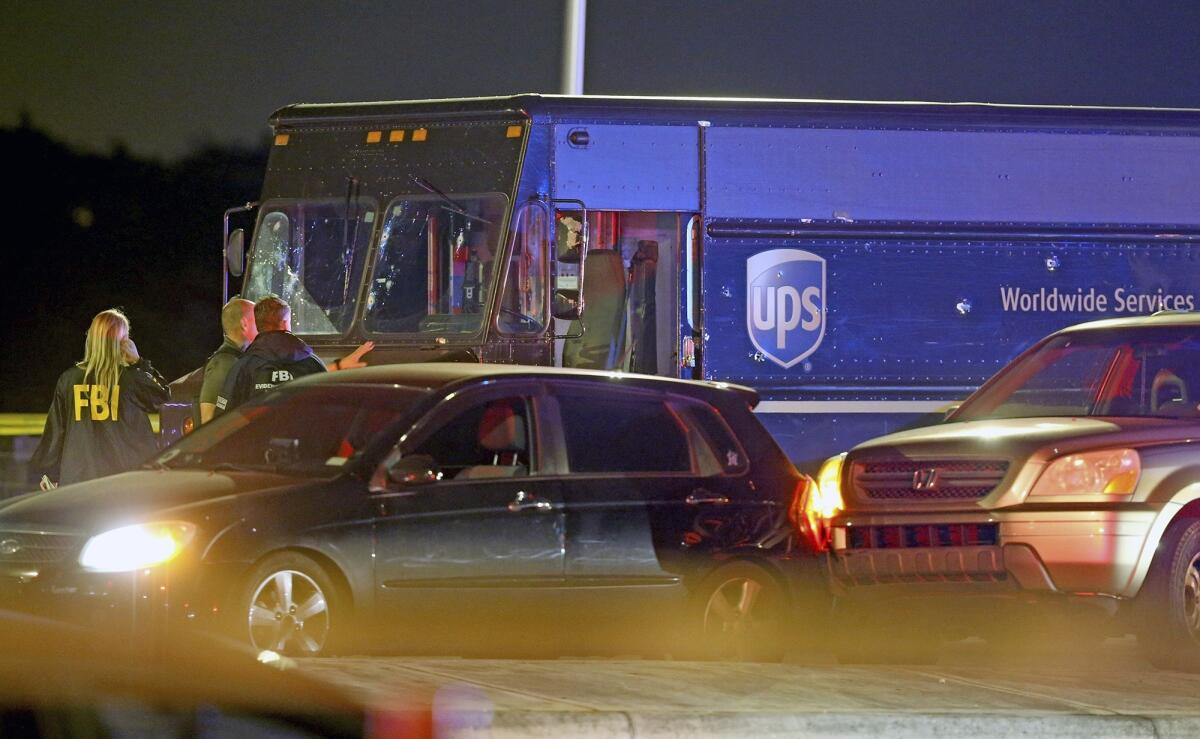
(734, 616)
(1191, 598)
(289, 614)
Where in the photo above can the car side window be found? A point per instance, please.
(717, 449)
(623, 435)
(485, 441)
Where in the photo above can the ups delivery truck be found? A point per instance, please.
(862, 265)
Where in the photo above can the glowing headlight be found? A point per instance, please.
(826, 500)
(817, 501)
(1113, 472)
(135, 547)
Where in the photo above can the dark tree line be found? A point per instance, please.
(87, 232)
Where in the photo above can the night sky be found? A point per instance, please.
(145, 120)
(164, 77)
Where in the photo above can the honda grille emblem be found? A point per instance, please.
(925, 479)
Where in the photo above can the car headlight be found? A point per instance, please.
(1113, 472)
(826, 500)
(822, 500)
(816, 501)
(136, 547)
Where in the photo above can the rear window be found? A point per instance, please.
(718, 450)
(624, 435)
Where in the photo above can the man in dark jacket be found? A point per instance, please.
(240, 329)
(94, 430)
(274, 357)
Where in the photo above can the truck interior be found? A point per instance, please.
(631, 296)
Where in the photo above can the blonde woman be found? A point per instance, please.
(99, 421)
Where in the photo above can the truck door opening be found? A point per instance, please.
(631, 294)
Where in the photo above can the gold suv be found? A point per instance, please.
(1072, 475)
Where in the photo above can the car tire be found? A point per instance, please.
(289, 604)
(881, 636)
(739, 615)
(1169, 605)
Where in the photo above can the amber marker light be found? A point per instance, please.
(281, 139)
(396, 136)
(828, 499)
(815, 502)
(513, 132)
(420, 134)
(374, 137)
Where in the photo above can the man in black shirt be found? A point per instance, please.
(274, 357)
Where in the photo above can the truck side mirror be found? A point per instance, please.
(418, 469)
(235, 252)
(565, 305)
(570, 257)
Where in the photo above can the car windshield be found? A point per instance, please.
(1147, 371)
(310, 431)
(434, 268)
(312, 253)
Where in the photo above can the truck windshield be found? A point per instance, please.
(1145, 371)
(435, 265)
(311, 254)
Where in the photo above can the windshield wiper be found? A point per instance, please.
(353, 190)
(447, 202)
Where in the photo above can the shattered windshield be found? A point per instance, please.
(1146, 371)
(312, 254)
(435, 264)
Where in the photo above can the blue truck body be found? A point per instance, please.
(862, 265)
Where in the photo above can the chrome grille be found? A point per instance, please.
(927, 479)
(25, 547)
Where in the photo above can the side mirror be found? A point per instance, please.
(418, 469)
(565, 305)
(570, 259)
(283, 452)
(235, 252)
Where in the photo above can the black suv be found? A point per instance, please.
(514, 509)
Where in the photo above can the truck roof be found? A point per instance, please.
(687, 108)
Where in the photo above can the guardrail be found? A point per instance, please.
(22, 424)
(19, 436)
(31, 424)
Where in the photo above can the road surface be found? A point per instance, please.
(1107, 690)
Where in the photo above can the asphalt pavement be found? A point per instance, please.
(1106, 690)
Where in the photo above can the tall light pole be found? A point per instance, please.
(574, 30)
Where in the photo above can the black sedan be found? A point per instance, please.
(442, 506)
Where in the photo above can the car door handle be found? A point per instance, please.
(524, 501)
(703, 496)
